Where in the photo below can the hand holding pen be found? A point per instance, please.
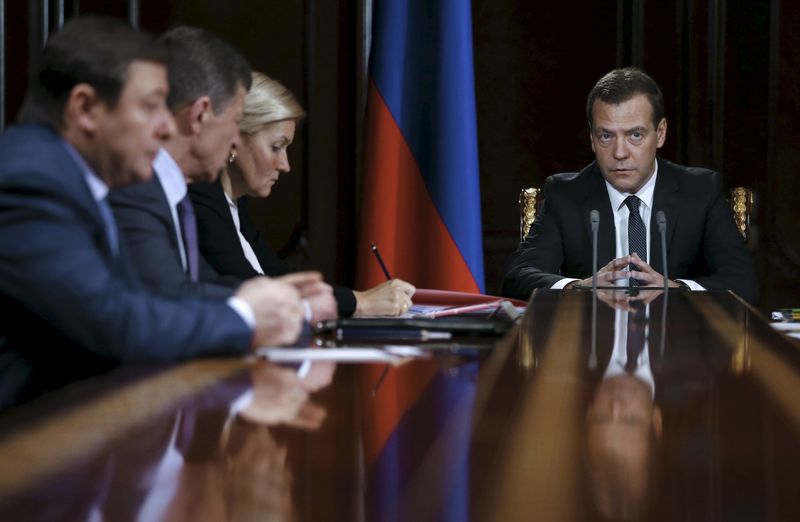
(392, 297)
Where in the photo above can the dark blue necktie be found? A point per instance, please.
(110, 225)
(189, 233)
(637, 234)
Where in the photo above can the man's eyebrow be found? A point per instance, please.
(640, 128)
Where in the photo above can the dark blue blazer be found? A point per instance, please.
(145, 220)
(702, 241)
(70, 308)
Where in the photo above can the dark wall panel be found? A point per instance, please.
(729, 71)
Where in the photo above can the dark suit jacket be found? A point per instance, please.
(702, 241)
(219, 242)
(145, 220)
(70, 308)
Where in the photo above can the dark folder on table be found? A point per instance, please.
(414, 328)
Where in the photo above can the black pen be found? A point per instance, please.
(380, 260)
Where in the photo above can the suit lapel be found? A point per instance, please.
(597, 199)
(665, 199)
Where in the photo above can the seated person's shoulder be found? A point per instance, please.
(696, 176)
(141, 192)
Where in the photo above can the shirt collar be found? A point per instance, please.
(645, 193)
(97, 186)
(171, 177)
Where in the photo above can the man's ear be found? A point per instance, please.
(81, 108)
(198, 112)
(661, 133)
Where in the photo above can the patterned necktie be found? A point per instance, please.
(110, 225)
(189, 233)
(637, 235)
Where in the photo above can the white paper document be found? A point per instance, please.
(386, 354)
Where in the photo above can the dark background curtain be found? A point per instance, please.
(728, 70)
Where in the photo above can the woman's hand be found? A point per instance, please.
(389, 298)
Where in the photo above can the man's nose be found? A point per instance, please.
(620, 149)
(167, 126)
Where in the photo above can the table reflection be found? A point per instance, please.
(623, 424)
(246, 476)
(221, 456)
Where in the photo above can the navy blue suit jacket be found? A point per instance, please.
(71, 308)
(144, 218)
(702, 241)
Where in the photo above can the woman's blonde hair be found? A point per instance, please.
(268, 101)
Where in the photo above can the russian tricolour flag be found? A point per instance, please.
(421, 199)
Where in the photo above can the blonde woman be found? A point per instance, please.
(228, 239)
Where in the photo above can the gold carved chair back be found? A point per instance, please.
(742, 202)
(529, 204)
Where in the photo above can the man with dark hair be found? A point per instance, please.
(208, 83)
(72, 303)
(628, 185)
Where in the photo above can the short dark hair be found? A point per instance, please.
(620, 85)
(203, 64)
(95, 50)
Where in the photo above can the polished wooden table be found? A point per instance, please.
(540, 428)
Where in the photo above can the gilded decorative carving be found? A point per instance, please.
(528, 200)
(742, 205)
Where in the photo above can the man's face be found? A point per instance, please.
(218, 135)
(128, 135)
(625, 142)
(622, 423)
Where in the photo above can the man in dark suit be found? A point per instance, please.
(628, 185)
(94, 118)
(208, 82)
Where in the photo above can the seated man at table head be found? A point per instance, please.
(628, 184)
(208, 81)
(228, 238)
(93, 119)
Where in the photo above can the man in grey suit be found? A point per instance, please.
(628, 186)
(94, 118)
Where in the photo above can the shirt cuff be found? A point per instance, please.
(693, 285)
(245, 311)
(308, 314)
(558, 285)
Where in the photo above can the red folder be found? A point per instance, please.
(430, 296)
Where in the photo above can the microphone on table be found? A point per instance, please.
(594, 219)
(661, 221)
